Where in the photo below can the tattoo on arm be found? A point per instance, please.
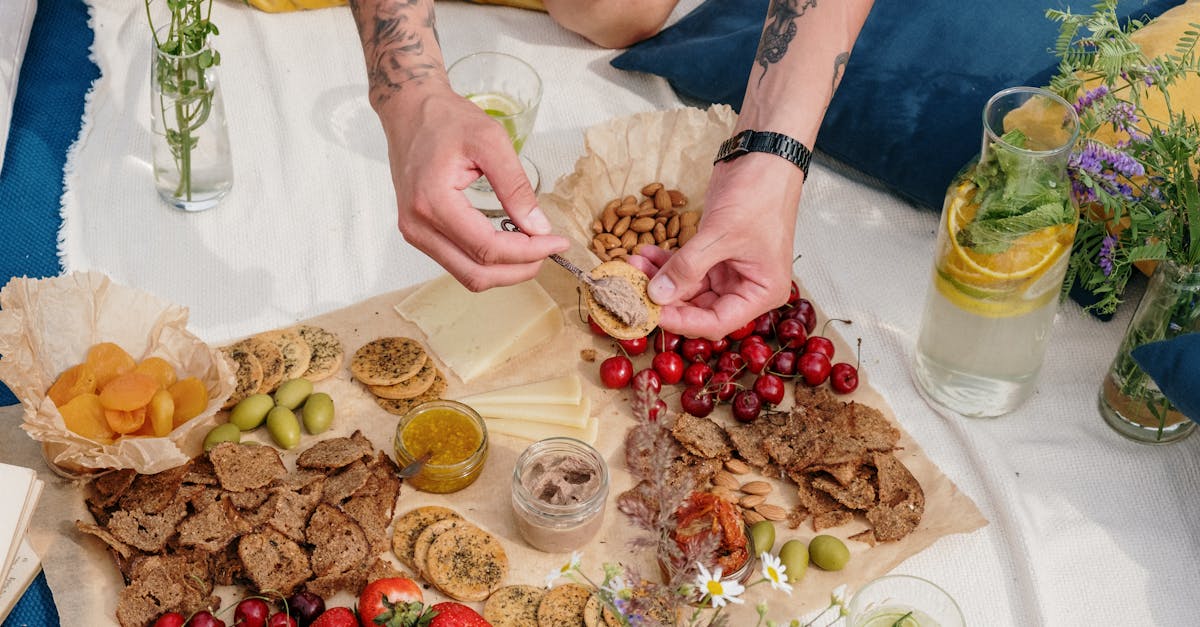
(839, 68)
(779, 31)
(393, 43)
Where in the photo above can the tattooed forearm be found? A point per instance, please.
(779, 31)
(839, 68)
(394, 34)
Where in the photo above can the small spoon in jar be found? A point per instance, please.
(414, 466)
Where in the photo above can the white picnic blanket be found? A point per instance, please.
(1085, 527)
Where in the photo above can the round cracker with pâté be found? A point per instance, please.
(642, 311)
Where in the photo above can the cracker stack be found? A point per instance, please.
(461, 560)
(263, 361)
(399, 372)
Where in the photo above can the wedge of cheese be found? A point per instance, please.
(565, 390)
(541, 430)
(575, 416)
(475, 333)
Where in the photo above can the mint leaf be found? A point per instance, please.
(995, 235)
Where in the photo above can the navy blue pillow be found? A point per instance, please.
(1174, 364)
(908, 108)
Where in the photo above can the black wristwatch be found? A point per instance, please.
(768, 142)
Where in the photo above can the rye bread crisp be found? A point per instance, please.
(241, 467)
(289, 511)
(339, 544)
(702, 437)
(410, 525)
(513, 606)
(619, 270)
(563, 606)
(273, 563)
(106, 489)
(212, 529)
(161, 584)
(466, 563)
(154, 493)
(148, 532)
(347, 481)
(120, 548)
(335, 453)
(250, 499)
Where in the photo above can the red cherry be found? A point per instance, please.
(794, 295)
(819, 344)
(764, 324)
(814, 367)
(791, 333)
(697, 373)
(756, 356)
(720, 345)
(843, 378)
(666, 342)
(743, 332)
(746, 406)
(616, 371)
(596, 328)
(279, 619)
(722, 384)
(251, 613)
(783, 363)
(636, 346)
(730, 361)
(697, 401)
(803, 310)
(696, 349)
(647, 379)
(170, 619)
(204, 618)
(659, 409)
(769, 388)
(669, 367)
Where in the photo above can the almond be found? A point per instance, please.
(677, 198)
(617, 253)
(737, 466)
(751, 516)
(662, 199)
(686, 233)
(629, 240)
(669, 243)
(771, 512)
(660, 233)
(673, 227)
(750, 501)
(629, 200)
(608, 219)
(597, 226)
(646, 212)
(668, 214)
(645, 238)
(689, 218)
(725, 480)
(756, 487)
(647, 203)
(627, 210)
(608, 240)
(725, 493)
(621, 226)
(641, 225)
(651, 189)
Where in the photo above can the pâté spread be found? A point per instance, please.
(455, 436)
(559, 489)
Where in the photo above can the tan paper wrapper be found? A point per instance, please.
(48, 325)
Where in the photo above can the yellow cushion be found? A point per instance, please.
(280, 6)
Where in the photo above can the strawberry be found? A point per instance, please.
(451, 614)
(336, 617)
(391, 602)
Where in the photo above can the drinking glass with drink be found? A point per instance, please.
(509, 90)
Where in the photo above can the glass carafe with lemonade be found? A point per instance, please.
(509, 90)
(1004, 240)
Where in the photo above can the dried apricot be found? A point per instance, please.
(84, 415)
(123, 421)
(76, 380)
(191, 397)
(162, 413)
(160, 369)
(128, 392)
(108, 361)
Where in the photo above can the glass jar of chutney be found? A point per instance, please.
(453, 434)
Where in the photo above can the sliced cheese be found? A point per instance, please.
(475, 333)
(541, 430)
(565, 390)
(566, 415)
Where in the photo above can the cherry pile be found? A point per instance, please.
(747, 368)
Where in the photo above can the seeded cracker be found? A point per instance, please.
(411, 387)
(401, 407)
(425, 540)
(248, 371)
(296, 352)
(563, 606)
(513, 606)
(410, 525)
(327, 352)
(269, 357)
(467, 563)
(592, 616)
(387, 360)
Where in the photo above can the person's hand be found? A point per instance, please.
(738, 264)
(438, 144)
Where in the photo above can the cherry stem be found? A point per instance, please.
(826, 325)
(858, 363)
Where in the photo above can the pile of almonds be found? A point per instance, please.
(750, 496)
(658, 219)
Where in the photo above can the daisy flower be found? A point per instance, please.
(564, 570)
(774, 572)
(718, 591)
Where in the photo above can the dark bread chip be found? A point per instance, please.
(748, 441)
(107, 489)
(225, 566)
(844, 473)
(329, 585)
(702, 437)
(298, 479)
(242, 467)
(382, 569)
(833, 518)
(339, 544)
(273, 563)
(201, 472)
(250, 499)
(335, 453)
(901, 500)
(120, 548)
(153, 493)
(289, 511)
(345, 483)
(161, 584)
(146, 531)
(866, 537)
(212, 529)
(859, 494)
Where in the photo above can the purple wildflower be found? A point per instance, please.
(1090, 97)
(1107, 248)
(1096, 166)
(1123, 116)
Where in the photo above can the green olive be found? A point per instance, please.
(318, 412)
(227, 432)
(293, 392)
(250, 412)
(828, 552)
(794, 557)
(763, 535)
(283, 427)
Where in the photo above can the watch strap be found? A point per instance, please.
(769, 142)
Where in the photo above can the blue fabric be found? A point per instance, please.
(1174, 365)
(908, 110)
(55, 77)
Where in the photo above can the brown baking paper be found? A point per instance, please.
(48, 325)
